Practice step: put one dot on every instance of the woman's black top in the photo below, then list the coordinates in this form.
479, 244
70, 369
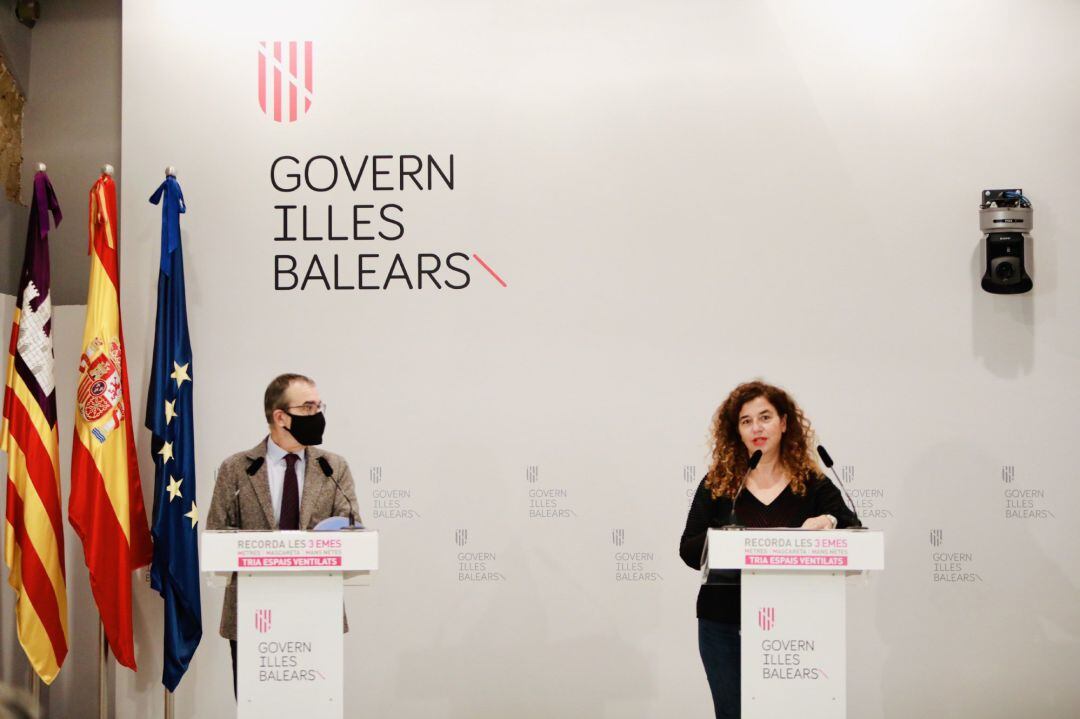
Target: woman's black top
721, 602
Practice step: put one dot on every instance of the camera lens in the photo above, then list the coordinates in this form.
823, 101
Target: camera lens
1005, 271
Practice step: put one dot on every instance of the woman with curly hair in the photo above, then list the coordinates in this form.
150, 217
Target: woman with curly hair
785, 489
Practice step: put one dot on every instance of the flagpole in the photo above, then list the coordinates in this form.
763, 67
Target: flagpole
168, 703
35, 690
103, 704
35, 680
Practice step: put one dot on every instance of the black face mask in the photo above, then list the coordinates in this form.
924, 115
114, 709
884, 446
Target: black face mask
307, 429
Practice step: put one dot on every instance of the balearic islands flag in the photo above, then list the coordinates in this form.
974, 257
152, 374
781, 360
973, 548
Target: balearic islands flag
169, 416
34, 533
106, 507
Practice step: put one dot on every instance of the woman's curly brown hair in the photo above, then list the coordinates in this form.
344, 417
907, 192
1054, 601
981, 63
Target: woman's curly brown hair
730, 458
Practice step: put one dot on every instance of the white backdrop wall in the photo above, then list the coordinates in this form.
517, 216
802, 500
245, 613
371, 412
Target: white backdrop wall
679, 197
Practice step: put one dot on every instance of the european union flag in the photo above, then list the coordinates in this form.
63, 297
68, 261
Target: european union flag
169, 416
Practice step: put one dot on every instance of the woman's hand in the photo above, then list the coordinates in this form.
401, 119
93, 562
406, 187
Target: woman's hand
822, 521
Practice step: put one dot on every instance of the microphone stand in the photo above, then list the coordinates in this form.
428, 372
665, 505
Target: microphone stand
327, 470
732, 519
828, 461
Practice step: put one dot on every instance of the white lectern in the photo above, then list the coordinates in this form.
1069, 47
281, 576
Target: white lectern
794, 655
289, 615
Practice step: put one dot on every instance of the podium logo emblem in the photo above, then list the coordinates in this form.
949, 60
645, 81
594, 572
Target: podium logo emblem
461, 537
375, 474
262, 620
766, 618
935, 537
617, 537
1008, 473
532, 473
689, 473
286, 72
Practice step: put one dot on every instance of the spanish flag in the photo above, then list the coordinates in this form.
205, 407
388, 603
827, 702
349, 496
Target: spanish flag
106, 506
34, 533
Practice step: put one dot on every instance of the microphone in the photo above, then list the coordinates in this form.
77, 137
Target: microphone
251, 470
236, 501
754, 459
828, 462
324, 465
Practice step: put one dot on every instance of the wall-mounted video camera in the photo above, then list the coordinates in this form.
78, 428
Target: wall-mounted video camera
1005, 216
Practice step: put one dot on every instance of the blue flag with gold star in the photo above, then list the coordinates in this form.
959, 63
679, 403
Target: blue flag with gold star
174, 572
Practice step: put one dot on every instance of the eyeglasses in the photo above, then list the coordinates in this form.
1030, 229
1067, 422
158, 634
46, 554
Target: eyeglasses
310, 407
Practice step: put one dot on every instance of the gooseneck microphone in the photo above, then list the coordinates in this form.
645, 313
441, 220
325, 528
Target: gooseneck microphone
324, 465
251, 470
733, 523
828, 462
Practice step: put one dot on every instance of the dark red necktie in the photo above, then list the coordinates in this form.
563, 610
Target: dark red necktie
290, 496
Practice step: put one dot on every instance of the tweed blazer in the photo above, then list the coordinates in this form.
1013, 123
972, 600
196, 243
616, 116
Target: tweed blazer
242, 501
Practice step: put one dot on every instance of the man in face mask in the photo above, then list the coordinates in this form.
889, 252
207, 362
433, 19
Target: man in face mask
285, 481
